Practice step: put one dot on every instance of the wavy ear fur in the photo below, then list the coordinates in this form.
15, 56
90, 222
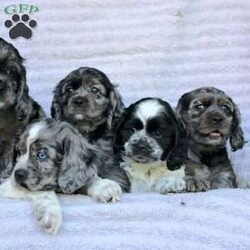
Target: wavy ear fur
116, 109
22, 101
79, 161
117, 137
178, 155
237, 137
56, 110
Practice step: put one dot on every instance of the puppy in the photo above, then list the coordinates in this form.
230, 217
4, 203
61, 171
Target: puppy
52, 156
87, 99
211, 118
147, 137
17, 108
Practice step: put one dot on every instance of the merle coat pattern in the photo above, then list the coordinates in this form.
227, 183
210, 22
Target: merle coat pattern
87, 99
211, 119
17, 108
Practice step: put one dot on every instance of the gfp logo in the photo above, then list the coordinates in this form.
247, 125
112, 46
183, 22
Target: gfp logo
20, 24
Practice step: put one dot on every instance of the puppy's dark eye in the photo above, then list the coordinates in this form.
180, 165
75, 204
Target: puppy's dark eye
132, 130
199, 107
95, 90
226, 108
11, 71
42, 155
157, 134
69, 89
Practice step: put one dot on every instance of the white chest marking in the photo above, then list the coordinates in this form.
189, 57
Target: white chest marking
155, 177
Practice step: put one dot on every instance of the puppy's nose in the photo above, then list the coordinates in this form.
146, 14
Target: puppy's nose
21, 175
141, 147
217, 119
79, 101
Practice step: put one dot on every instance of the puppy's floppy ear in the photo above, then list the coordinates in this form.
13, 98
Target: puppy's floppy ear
237, 137
22, 94
56, 110
79, 161
116, 108
181, 109
178, 155
117, 137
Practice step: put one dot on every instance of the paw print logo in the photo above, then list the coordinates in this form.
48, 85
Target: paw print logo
20, 26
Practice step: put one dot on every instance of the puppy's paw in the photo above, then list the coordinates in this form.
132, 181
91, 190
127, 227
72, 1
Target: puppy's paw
105, 190
48, 215
197, 185
170, 185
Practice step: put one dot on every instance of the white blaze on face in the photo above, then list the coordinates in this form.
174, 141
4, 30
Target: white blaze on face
148, 109
33, 135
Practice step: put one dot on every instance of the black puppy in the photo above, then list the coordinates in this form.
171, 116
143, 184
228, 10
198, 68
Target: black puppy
148, 136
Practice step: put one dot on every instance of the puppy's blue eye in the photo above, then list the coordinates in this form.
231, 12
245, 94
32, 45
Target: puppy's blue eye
42, 155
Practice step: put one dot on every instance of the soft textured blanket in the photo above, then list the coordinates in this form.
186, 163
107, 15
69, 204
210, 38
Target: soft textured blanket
149, 48
214, 220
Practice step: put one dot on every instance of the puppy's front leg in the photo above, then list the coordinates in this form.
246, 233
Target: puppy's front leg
172, 183
197, 177
104, 190
46, 206
47, 210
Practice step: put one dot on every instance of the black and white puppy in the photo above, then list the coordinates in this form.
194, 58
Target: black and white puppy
51, 156
17, 108
148, 137
211, 119
87, 99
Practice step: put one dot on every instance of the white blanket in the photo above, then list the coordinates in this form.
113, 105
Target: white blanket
149, 48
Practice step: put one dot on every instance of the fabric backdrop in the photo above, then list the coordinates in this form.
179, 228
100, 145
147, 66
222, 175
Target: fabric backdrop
149, 48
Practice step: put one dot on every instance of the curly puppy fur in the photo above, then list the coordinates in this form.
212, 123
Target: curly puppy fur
87, 99
17, 108
153, 145
52, 156
211, 119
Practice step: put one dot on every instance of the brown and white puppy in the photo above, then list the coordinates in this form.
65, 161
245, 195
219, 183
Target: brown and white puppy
87, 99
211, 119
51, 156
17, 108
153, 146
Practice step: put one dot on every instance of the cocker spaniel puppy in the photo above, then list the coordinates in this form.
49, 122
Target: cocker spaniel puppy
153, 147
17, 108
211, 119
51, 156
87, 99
